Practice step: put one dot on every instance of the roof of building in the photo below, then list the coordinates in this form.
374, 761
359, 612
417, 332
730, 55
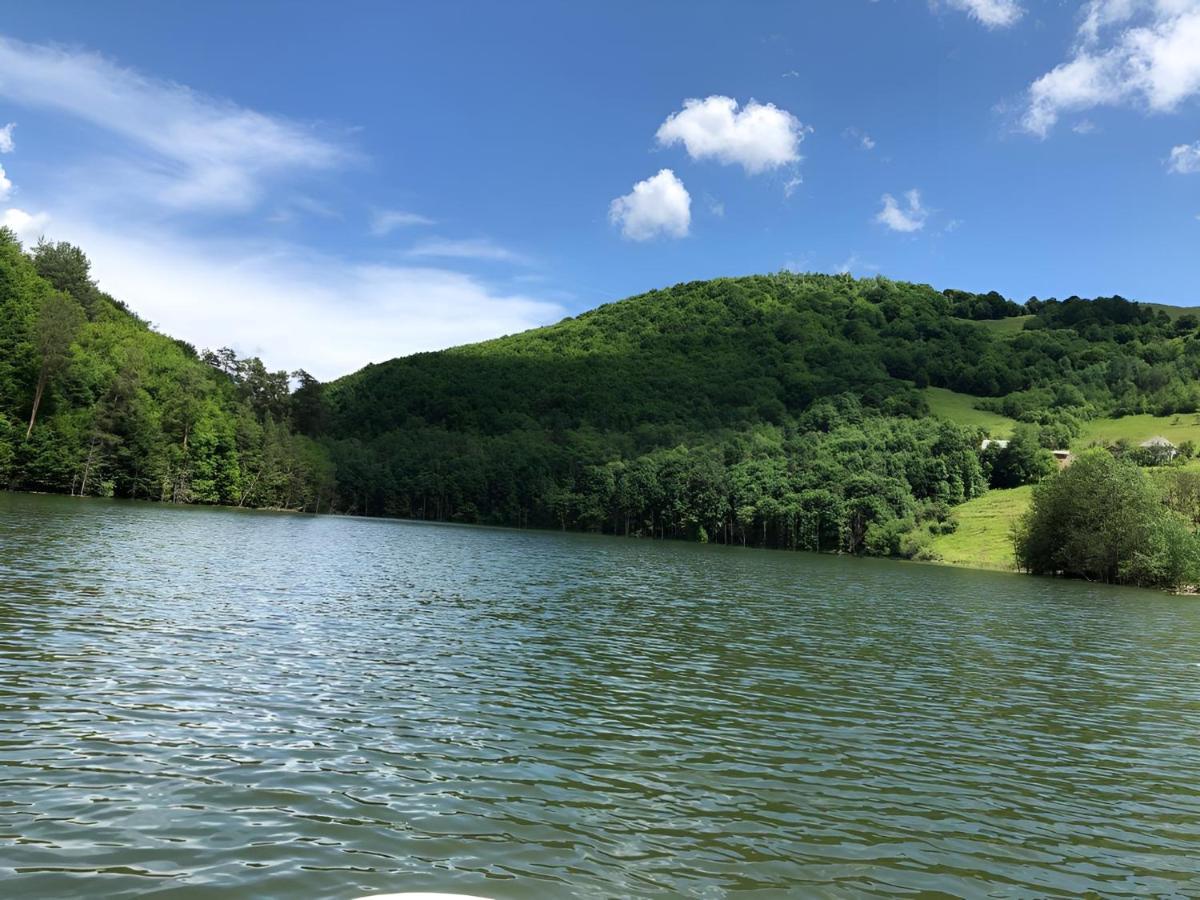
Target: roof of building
1157, 441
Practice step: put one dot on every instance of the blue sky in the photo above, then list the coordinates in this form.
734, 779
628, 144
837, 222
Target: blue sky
328, 185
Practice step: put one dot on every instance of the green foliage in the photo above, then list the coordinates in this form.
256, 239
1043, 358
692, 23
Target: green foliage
1022, 461
1103, 519
112, 408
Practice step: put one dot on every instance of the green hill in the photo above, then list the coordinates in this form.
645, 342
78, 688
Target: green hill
800, 411
783, 410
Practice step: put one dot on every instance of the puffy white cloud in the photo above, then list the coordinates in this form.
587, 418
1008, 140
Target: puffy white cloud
1140, 53
757, 137
5, 184
1185, 159
6, 138
472, 248
204, 153
385, 221
907, 217
660, 206
28, 227
296, 308
992, 13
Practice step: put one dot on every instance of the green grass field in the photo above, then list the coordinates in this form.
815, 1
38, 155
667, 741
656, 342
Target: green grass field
982, 540
1135, 429
960, 408
1001, 327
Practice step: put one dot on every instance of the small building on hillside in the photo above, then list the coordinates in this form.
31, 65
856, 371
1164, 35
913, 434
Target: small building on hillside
1159, 449
1062, 457
988, 442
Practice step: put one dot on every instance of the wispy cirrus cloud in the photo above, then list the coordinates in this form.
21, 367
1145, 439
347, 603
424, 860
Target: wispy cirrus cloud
166, 152
472, 248
6, 138
184, 149
385, 221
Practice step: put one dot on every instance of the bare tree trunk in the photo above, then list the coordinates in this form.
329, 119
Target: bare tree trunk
37, 401
87, 468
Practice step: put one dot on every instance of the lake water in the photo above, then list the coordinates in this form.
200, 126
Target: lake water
211, 703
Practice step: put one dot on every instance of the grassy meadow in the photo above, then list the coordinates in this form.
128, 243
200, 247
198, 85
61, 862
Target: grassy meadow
982, 540
960, 408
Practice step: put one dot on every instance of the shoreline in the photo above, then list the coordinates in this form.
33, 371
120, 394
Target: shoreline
975, 566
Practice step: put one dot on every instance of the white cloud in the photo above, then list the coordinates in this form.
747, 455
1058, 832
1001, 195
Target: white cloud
474, 248
6, 138
908, 217
1139, 53
789, 186
758, 137
28, 227
1084, 126
864, 140
660, 206
176, 151
854, 263
294, 308
188, 151
385, 221
992, 13
1185, 159
5, 184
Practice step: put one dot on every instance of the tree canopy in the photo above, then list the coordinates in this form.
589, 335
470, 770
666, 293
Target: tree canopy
1104, 519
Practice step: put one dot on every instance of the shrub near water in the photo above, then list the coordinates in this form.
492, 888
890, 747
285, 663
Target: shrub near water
1104, 519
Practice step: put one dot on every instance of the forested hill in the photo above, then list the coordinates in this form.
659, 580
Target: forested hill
786, 410
693, 358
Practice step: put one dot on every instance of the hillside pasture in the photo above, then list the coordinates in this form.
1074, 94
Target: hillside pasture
960, 409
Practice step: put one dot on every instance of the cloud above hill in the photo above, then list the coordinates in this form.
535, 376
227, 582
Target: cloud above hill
659, 206
758, 137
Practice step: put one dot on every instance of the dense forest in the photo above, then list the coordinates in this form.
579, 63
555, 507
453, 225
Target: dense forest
782, 410
779, 410
95, 402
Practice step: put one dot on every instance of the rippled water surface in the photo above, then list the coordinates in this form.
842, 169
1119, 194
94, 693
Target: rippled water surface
205, 703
